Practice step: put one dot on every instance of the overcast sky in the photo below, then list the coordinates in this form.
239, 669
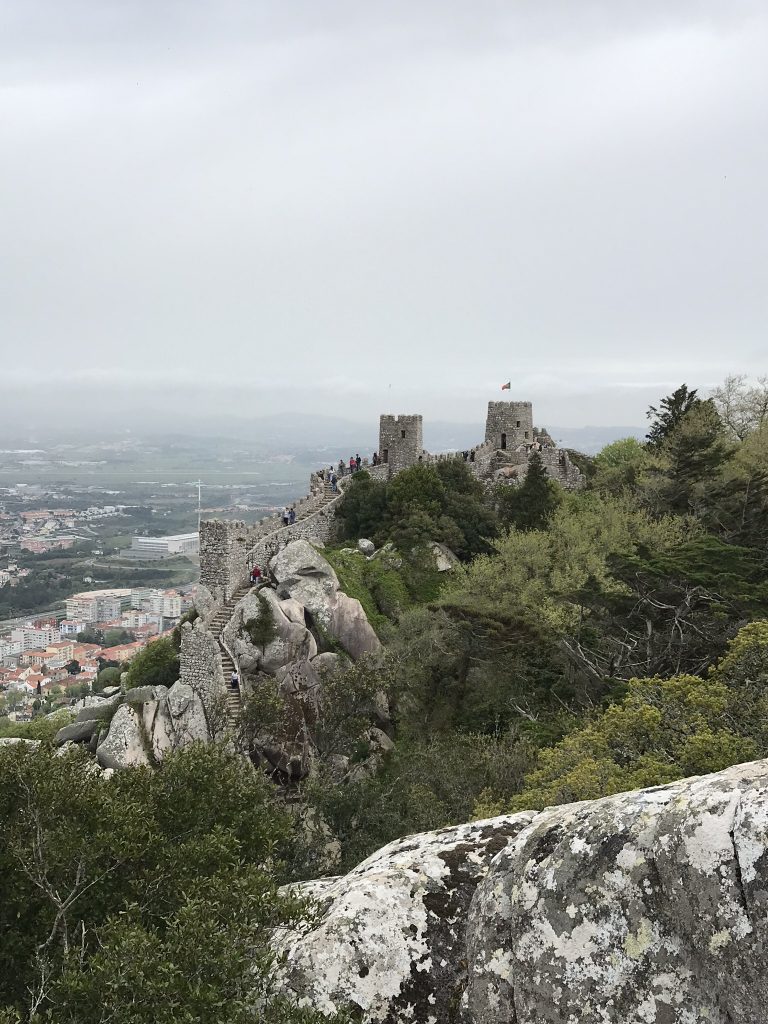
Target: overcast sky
359, 207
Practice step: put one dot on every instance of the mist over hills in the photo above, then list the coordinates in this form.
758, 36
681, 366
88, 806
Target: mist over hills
306, 437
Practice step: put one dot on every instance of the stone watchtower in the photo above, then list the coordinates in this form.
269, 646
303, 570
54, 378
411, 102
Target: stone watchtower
401, 441
509, 424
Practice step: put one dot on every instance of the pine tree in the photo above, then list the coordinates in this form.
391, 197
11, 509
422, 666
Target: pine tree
529, 506
669, 414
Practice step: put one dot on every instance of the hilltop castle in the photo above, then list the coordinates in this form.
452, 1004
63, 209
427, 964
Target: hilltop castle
510, 439
227, 548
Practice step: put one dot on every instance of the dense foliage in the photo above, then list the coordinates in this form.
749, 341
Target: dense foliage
591, 642
146, 897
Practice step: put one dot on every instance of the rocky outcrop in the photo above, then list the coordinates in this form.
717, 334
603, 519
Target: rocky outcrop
123, 746
301, 573
445, 560
77, 732
144, 731
649, 907
100, 710
293, 641
390, 933
304, 576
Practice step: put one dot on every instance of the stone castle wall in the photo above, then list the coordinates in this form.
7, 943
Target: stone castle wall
229, 548
509, 424
401, 441
199, 661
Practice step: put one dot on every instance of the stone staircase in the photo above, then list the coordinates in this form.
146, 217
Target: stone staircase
219, 621
224, 614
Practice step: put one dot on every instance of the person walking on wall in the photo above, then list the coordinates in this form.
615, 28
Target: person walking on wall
341, 467
286, 516
375, 458
291, 515
234, 680
358, 460
334, 482
351, 463
255, 575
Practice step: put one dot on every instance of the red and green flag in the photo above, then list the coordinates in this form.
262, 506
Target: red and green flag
507, 386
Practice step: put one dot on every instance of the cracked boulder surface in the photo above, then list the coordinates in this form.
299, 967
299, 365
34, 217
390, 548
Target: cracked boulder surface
388, 942
649, 907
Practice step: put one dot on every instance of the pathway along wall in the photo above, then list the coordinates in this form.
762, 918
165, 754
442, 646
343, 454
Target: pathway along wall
228, 548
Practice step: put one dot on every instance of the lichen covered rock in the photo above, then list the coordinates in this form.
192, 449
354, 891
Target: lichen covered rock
390, 935
649, 907
292, 640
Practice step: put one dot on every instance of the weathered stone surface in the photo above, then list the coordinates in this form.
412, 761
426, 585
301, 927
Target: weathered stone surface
140, 694
648, 907
379, 740
294, 611
303, 574
110, 691
102, 710
14, 741
123, 746
445, 560
77, 732
177, 717
366, 546
390, 934
293, 642
350, 626
327, 662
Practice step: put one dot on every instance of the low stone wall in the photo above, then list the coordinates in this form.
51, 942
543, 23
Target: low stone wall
199, 661
228, 548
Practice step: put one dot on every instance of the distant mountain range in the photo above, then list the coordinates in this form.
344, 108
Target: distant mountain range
311, 438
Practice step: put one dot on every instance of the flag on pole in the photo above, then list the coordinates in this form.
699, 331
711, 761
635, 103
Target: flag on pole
507, 386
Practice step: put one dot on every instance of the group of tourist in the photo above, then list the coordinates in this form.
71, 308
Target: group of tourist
355, 462
289, 515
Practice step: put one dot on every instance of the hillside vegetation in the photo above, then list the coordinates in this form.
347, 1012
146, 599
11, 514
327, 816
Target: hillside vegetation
591, 641
585, 643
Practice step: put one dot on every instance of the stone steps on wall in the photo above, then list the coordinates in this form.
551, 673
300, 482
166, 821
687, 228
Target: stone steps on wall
218, 623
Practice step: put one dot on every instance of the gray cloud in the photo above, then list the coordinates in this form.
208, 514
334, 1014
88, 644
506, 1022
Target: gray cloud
397, 206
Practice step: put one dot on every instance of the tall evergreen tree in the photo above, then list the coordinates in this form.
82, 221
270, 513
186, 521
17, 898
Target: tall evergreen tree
529, 506
696, 450
669, 413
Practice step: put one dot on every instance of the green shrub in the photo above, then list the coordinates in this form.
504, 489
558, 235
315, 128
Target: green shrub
262, 631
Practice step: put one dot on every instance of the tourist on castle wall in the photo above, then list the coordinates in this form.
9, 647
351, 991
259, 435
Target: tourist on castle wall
255, 575
334, 488
341, 467
286, 516
352, 464
358, 460
292, 513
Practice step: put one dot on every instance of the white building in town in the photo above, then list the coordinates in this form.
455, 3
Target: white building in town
164, 547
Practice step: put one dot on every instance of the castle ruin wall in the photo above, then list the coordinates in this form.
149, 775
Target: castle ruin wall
509, 424
401, 441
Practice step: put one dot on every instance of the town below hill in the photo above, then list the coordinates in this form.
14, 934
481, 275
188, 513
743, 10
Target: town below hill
48, 662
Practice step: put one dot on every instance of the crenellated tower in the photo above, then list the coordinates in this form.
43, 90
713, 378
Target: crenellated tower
509, 424
401, 441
